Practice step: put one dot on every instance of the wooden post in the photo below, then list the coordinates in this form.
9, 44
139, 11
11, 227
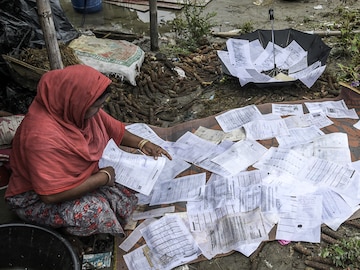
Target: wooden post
48, 28
154, 35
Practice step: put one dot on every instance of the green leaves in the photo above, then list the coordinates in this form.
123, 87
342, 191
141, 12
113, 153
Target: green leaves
344, 254
193, 26
349, 43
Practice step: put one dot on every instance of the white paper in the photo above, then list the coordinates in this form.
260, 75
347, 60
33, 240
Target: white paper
324, 173
272, 56
136, 260
193, 148
225, 58
299, 136
186, 188
300, 219
265, 129
240, 156
333, 147
157, 212
239, 52
144, 131
322, 105
287, 109
137, 172
295, 55
135, 235
217, 136
317, 119
170, 242
232, 231
236, 118
282, 159
335, 209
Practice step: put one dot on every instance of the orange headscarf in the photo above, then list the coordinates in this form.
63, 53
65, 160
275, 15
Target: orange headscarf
55, 148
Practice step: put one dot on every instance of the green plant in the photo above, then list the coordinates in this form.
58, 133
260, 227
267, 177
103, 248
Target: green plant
350, 74
349, 44
288, 19
306, 20
345, 254
247, 27
192, 26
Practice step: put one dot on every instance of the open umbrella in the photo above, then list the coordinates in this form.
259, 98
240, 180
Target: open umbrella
316, 51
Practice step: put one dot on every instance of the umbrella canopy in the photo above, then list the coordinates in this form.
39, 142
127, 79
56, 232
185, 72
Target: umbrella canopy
316, 50
313, 44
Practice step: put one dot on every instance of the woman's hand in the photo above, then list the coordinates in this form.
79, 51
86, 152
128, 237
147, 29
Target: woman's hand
154, 150
144, 145
109, 172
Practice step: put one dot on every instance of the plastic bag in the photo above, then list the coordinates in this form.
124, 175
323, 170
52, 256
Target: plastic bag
26, 17
111, 57
20, 28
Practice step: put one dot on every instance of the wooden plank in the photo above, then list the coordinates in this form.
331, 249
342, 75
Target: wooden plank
146, 3
142, 8
168, 4
111, 34
199, 3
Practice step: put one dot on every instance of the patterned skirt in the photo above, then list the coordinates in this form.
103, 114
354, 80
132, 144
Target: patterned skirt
104, 210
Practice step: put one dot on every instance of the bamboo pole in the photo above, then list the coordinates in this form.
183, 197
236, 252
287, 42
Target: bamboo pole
48, 28
154, 35
330, 33
237, 32
350, 87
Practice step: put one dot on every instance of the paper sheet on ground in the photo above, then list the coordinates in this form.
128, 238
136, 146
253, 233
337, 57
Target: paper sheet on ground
170, 242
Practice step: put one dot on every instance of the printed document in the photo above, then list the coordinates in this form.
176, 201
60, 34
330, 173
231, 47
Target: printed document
137, 172
300, 218
186, 188
240, 156
170, 242
236, 118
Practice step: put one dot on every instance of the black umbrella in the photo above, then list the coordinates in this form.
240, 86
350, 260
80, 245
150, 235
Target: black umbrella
312, 43
316, 49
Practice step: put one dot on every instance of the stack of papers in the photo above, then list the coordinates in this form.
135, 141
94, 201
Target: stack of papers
305, 181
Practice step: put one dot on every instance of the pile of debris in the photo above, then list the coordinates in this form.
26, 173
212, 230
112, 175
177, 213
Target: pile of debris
39, 57
166, 89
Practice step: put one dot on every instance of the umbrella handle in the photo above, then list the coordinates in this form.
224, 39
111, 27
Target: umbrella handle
271, 14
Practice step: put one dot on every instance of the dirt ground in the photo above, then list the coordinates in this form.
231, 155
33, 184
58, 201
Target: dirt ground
304, 15
216, 93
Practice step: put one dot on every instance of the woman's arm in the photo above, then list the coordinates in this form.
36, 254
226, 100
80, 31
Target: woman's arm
104, 177
131, 140
147, 147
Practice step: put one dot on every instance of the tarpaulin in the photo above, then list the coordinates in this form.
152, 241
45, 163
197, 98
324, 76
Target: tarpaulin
344, 125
